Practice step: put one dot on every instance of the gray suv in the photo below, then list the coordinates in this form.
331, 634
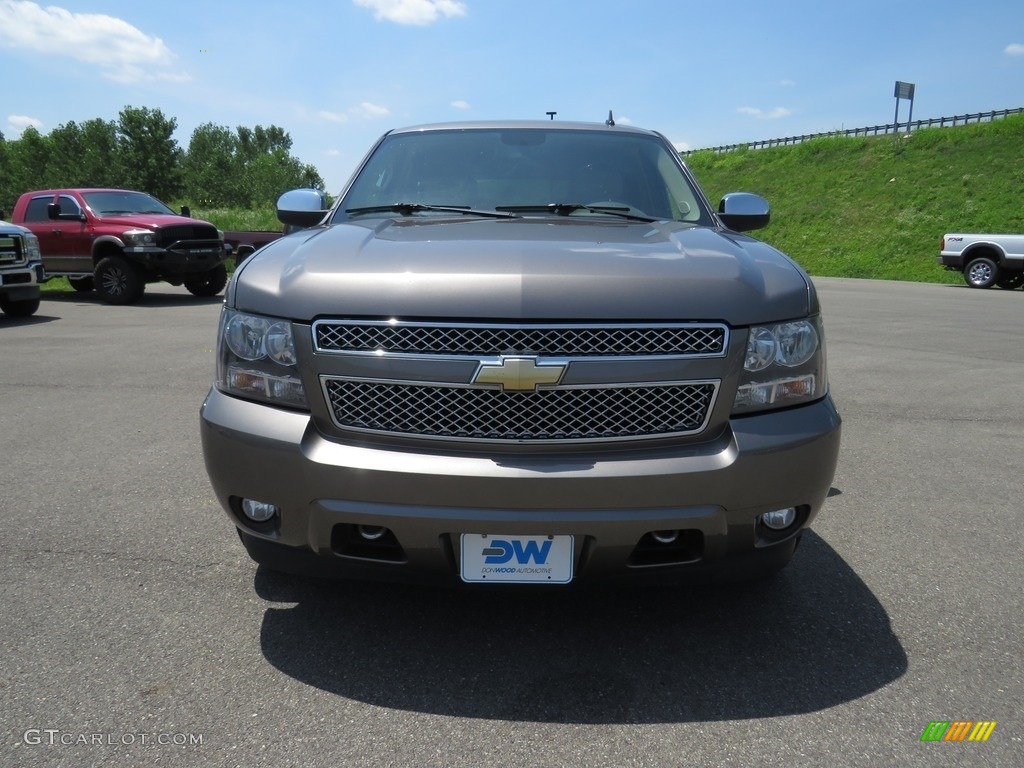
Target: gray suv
521, 352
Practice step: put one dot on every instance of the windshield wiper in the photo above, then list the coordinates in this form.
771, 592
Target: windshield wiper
408, 209
564, 209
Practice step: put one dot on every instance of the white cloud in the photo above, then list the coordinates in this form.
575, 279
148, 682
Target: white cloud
365, 111
682, 146
460, 104
417, 12
333, 152
333, 117
1014, 49
787, 83
771, 114
123, 53
18, 123
369, 111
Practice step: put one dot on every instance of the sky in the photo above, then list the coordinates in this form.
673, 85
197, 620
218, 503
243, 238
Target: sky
336, 74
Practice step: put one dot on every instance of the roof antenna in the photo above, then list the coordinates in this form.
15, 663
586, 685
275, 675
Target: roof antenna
610, 122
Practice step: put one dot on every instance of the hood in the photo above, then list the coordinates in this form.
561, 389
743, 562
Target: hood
523, 269
14, 229
152, 221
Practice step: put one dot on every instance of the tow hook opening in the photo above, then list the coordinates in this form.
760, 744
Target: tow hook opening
367, 542
667, 547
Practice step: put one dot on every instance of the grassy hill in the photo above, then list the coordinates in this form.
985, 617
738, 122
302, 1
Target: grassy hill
860, 207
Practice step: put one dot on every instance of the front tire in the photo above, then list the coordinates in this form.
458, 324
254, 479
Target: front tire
118, 281
209, 284
982, 272
19, 308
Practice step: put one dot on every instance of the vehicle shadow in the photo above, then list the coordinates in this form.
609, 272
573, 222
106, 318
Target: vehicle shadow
809, 639
8, 321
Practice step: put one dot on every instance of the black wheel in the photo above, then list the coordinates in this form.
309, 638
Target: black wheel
1011, 281
81, 284
20, 307
982, 272
209, 283
118, 281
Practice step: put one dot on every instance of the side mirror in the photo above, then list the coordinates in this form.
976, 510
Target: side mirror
186, 212
743, 211
54, 213
302, 207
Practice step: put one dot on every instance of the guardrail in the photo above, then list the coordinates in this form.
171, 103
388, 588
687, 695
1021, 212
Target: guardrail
874, 130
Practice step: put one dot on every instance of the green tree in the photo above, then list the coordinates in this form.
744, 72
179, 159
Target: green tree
7, 193
99, 161
29, 158
149, 156
209, 168
64, 166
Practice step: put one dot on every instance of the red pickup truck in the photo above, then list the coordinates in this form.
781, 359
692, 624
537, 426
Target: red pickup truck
116, 241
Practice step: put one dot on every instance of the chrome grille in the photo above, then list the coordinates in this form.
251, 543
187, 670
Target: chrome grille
11, 250
561, 340
565, 413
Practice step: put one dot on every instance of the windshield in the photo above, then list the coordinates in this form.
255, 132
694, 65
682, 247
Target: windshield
118, 202
530, 171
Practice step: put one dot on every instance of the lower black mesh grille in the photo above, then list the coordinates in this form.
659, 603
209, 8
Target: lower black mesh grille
585, 413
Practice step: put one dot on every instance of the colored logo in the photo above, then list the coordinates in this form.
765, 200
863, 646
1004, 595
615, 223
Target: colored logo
500, 551
519, 373
958, 730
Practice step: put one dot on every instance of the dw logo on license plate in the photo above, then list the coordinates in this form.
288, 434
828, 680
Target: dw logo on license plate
523, 559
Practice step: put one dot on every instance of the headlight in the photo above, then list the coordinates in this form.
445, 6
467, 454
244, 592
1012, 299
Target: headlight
139, 237
31, 247
784, 365
256, 359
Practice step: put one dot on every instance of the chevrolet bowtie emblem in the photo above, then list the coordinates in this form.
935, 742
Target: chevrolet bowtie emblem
519, 373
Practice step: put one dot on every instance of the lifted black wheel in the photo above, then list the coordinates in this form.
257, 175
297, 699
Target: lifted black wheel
209, 283
982, 272
118, 281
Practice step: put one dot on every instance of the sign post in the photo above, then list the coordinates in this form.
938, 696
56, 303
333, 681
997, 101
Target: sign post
902, 91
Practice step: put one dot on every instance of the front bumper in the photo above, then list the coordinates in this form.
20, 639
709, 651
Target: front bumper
22, 281
713, 492
181, 258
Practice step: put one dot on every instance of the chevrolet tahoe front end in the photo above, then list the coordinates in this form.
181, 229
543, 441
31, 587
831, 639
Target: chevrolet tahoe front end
521, 352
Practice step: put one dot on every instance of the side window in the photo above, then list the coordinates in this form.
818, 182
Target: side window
36, 210
69, 204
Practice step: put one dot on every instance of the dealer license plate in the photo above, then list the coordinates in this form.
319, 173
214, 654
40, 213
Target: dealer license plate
499, 558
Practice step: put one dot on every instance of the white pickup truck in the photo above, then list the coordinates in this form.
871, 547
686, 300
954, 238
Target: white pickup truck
985, 260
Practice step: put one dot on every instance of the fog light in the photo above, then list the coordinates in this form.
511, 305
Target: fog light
779, 519
665, 537
258, 511
372, 532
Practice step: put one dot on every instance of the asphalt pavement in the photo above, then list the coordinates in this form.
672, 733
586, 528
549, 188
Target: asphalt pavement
136, 632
